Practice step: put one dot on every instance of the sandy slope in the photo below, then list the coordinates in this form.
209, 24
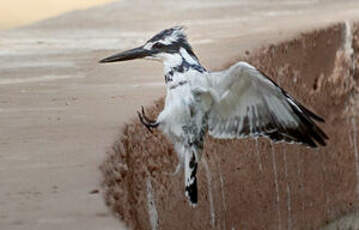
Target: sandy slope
60, 110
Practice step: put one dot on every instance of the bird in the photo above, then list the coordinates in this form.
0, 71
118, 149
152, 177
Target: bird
238, 102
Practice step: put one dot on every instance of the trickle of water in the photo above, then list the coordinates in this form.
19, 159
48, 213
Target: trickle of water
151, 205
258, 156
289, 206
210, 195
348, 49
223, 198
348, 41
289, 201
285, 163
276, 187
355, 146
221, 180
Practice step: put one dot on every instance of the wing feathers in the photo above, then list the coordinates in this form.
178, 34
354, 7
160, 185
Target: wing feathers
252, 105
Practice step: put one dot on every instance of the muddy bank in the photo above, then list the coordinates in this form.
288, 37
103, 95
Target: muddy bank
249, 184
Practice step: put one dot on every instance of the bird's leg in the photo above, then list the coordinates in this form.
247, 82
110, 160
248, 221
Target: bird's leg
145, 121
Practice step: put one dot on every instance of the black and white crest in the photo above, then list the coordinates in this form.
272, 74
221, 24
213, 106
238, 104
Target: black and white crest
168, 35
170, 41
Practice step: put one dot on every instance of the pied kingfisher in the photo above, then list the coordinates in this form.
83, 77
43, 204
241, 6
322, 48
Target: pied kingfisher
238, 102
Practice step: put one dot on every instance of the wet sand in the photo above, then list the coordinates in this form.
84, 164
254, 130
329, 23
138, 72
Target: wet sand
60, 110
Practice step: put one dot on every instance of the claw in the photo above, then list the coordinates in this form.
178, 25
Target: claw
145, 121
145, 117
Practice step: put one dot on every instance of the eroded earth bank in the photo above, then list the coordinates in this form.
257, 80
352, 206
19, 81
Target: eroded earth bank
254, 184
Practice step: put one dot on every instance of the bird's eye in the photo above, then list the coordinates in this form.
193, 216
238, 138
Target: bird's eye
158, 45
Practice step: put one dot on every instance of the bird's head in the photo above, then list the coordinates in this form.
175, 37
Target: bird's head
169, 46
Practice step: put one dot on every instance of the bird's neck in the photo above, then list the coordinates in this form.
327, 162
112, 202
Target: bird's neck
179, 63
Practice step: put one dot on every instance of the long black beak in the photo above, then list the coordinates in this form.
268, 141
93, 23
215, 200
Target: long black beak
135, 53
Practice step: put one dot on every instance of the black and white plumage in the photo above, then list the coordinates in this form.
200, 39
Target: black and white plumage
238, 102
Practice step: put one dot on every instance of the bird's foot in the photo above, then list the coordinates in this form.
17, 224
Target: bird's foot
148, 123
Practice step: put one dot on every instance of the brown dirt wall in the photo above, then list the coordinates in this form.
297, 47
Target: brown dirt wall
251, 184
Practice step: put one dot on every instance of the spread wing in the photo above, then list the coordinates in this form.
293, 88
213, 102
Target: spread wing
249, 104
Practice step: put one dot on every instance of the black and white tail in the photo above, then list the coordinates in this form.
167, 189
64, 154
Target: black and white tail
190, 170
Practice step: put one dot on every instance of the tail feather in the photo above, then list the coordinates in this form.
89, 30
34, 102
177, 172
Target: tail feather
191, 190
